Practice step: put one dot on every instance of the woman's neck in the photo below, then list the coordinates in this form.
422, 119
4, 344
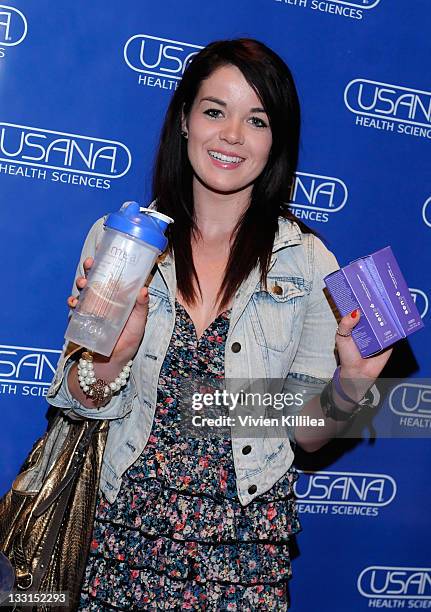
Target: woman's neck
217, 214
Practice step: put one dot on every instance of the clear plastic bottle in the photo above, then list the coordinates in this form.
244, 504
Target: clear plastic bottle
133, 239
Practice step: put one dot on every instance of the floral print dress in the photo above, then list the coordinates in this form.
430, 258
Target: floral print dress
177, 537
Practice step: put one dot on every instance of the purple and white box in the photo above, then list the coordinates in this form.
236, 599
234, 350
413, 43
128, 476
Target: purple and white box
376, 285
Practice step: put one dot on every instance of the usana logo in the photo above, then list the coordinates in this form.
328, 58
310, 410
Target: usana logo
344, 493
426, 212
341, 8
411, 401
382, 584
13, 27
25, 370
160, 62
67, 158
420, 298
313, 196
388, 107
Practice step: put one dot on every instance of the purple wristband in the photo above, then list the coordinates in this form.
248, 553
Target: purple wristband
339, 389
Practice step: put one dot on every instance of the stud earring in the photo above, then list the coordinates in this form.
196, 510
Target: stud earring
184, 134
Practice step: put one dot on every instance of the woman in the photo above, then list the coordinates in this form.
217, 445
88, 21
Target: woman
185, 522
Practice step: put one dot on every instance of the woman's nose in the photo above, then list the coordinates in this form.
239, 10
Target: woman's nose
232, 132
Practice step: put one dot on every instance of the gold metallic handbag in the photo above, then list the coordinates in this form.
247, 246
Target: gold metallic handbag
45, 530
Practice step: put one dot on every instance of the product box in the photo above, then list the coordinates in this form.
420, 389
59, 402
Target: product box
375, 285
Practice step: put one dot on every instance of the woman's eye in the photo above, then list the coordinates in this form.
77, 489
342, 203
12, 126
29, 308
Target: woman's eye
258, 122
213, 112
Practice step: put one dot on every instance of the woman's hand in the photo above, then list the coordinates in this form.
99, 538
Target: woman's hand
126, 347
357, 373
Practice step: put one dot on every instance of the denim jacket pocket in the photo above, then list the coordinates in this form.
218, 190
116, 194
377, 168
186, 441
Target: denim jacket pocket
276, 311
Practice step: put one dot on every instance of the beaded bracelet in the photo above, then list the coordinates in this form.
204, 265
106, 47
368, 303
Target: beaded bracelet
98, 389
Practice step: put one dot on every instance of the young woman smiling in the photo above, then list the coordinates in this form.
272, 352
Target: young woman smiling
203, 523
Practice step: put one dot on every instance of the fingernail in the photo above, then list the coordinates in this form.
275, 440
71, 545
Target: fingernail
354, 313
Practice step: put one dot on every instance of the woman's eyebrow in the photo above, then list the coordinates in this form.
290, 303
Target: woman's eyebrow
256, 109
212, 99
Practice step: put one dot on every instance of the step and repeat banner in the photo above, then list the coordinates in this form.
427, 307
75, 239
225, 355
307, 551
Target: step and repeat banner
83, 90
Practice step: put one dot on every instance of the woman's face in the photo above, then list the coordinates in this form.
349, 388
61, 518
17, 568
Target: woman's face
229, 138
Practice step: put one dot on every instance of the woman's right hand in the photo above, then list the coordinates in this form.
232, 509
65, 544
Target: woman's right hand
127, 344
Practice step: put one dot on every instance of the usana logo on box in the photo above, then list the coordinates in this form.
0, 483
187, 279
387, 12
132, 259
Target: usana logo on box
391, 108
13, 27
314, 196
411, 401
344, 493
396, 587
426, 212
340, 8
160, 62
74, 159
26, 371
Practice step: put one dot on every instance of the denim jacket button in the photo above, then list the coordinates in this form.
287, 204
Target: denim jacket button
252, 489
246, 449
277, 289
236, 347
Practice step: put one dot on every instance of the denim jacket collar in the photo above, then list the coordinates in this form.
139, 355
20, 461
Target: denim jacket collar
288, 234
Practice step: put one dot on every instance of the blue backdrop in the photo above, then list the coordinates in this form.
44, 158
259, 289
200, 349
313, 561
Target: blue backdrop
83, 89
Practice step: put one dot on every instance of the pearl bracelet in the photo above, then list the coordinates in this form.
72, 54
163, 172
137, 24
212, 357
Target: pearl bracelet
96, 388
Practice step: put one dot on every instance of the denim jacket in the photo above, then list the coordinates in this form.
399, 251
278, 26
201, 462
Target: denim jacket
286, 334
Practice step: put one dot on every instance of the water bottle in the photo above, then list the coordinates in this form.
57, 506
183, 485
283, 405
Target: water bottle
133, 239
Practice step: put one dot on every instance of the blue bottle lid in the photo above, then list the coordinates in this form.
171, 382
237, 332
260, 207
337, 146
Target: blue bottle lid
145, 224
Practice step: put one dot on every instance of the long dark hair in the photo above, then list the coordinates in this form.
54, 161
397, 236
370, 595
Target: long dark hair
272, 81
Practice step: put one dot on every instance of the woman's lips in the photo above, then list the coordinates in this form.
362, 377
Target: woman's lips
227, 161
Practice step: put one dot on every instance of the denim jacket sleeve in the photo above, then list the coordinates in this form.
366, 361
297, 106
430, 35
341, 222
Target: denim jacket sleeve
315, 356
315, 361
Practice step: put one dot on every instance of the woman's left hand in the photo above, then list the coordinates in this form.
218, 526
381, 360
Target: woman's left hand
358, 373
